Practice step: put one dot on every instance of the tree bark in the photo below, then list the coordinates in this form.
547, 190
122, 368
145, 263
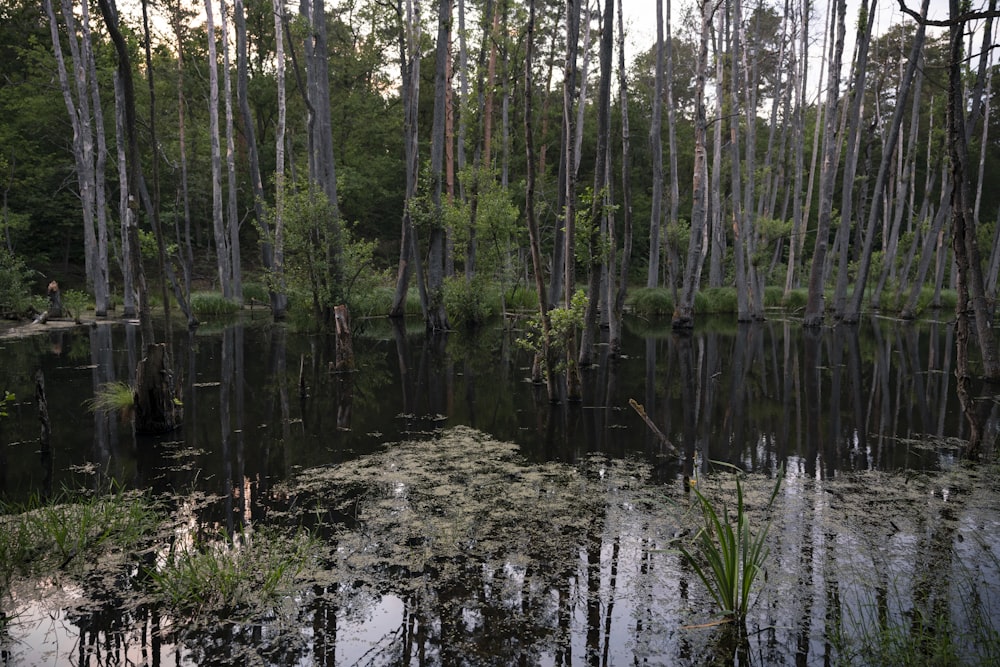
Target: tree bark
684, 308
814, 306
853, 312
529, 205
656, 152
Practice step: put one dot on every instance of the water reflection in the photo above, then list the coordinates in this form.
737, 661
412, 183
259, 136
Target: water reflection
453, 574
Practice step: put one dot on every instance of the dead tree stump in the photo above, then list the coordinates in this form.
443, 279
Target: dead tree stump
345, 346
157, 406
55, 300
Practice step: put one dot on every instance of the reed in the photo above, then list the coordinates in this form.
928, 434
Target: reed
728, 555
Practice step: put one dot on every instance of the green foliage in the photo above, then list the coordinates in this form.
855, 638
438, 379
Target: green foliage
522, 298
45, 536
772, 296
213, 303
651, 301
563, 322
719, 300
8, 397
796, 299
313, 237
111, 397
255, 292
238, 575
362, 278
15, 297
728, 556
470, 303
75, 302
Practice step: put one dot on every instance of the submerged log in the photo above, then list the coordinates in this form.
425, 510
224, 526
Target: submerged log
345, 346
157, 406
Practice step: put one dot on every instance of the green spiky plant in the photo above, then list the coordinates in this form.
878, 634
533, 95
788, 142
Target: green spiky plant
728, 555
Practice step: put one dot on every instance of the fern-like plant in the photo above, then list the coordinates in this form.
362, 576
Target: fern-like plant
728, 555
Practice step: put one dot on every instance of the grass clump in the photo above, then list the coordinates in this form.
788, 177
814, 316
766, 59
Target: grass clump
728, 556
256, 292
112, 397
470, 303
241, 574
44, 536
212, 303
651, 301
718, 300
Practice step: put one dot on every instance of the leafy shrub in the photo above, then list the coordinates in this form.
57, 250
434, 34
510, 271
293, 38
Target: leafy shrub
651, 301
212, 303
720, 300
15, 296
796, 299
256, 292
522, 298
470, 303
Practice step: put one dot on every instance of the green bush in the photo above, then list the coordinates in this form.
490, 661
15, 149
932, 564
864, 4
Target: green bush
212, 303
773, 296
15, 296
651, 301
719, 300
256, 292
522, 298
796, 299
470, 303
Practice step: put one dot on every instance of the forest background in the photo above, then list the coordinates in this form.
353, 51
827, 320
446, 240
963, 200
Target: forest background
459, 151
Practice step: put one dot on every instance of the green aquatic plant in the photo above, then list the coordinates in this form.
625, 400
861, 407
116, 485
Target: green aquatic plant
213, 303
728, 555
42, 536
234, 574
111, 396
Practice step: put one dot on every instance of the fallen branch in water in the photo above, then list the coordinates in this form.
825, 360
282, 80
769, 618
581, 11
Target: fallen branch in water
664, 440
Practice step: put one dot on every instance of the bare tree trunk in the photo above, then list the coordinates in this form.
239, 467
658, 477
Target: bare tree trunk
110, 15
595, 235
965, 243
529, 206
718, 242
814, 306
409, 53
684, 309
125, 212
656, 151
222, 252
853, 312
739, 224
570, 99
186, 252
278, 301
904, 193
278, 276
862, 40
232, 213
672, 252
102, 288
801, 206
619, 289
83, 133
437, 318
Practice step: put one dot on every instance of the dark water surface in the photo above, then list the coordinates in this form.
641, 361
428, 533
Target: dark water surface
560, 550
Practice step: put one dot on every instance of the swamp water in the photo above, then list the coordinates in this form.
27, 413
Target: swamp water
434, 508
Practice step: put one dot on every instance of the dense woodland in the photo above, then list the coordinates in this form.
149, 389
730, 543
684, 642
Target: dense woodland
450, 148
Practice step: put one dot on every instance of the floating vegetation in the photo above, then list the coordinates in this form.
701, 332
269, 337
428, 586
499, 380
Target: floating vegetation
454, 548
